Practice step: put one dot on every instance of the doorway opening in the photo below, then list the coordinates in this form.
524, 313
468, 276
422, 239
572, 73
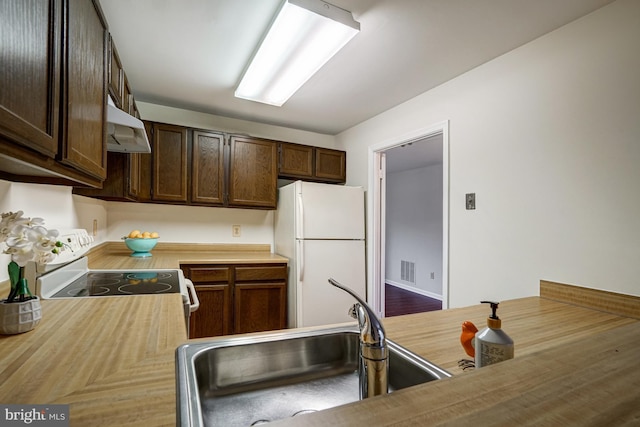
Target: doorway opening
410, 230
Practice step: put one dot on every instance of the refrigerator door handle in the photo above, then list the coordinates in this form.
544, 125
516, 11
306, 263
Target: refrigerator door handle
300, 222
301, 260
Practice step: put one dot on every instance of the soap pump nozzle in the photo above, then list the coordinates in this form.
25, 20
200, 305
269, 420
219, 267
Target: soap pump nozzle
493, 321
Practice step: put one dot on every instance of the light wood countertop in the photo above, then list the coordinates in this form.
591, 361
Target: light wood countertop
112, 361
592, 382
115, 255
535, 324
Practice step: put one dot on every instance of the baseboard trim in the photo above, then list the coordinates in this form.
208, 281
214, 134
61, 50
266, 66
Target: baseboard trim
414, 290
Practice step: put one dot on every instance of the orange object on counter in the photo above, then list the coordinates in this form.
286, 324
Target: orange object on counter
467, 336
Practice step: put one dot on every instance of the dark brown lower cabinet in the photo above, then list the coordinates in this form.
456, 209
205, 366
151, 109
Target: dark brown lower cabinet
213, 317
237, 299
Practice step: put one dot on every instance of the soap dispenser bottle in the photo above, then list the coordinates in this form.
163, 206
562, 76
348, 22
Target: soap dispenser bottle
492, 344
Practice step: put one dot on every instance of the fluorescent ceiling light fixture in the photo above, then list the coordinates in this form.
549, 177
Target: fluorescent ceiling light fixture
303, 37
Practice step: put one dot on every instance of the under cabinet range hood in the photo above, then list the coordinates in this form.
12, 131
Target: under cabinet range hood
125, 133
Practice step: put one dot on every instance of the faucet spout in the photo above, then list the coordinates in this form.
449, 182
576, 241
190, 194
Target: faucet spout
374, 357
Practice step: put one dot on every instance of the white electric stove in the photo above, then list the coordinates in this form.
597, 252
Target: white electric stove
69, 276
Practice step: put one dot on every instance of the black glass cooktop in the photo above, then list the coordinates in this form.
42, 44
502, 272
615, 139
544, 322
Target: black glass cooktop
93, 284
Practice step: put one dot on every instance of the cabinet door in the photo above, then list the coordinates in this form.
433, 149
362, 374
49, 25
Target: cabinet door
127, 96
30, 73
207, 168
331, 165
134, 108
260, 298
253, 173
169, 163
145, 172
295, 161
213, 286
133, 187
213, 317
116, 75
259, 307
84, 97
115, 186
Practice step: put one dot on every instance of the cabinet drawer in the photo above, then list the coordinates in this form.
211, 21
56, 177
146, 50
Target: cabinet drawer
276, 272
206, 274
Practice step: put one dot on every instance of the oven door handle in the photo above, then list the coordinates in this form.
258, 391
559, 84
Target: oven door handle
194, 296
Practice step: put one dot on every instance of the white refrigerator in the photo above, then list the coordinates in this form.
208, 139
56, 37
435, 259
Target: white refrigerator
320, 228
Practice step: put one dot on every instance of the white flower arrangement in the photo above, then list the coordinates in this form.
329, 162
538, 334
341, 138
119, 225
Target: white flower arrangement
26, 240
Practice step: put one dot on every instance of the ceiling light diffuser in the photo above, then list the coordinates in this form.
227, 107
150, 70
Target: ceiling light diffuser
303, 37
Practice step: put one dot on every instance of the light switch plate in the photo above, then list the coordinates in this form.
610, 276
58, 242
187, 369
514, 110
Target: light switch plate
471, 201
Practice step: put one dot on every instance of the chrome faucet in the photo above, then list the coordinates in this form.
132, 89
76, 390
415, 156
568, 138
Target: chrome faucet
373, 368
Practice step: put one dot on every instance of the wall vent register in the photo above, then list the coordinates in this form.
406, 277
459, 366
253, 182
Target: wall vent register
408, 271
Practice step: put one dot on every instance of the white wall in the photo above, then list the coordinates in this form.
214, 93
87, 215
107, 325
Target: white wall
547, 136
55, 204
414, 228
190, 223
50, 202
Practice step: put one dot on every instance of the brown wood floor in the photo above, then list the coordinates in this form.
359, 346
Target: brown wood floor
400, 301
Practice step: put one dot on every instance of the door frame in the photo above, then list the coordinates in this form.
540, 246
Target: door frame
376, 207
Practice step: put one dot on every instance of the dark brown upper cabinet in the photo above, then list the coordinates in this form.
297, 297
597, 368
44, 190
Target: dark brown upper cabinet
195, 167
330, 165
53, 97
297, 161
123, 181
253, 173
207, 168
119, 88
116, 75
169, 154
128, 174
127, 96
220, 170
84, 98
30, 73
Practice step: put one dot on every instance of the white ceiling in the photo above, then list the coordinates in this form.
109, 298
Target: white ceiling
191, 54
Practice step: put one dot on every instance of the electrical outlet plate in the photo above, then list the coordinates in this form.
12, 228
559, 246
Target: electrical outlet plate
471, 201
235, 230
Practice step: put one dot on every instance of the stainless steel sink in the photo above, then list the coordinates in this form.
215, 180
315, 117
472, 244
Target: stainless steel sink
244, 381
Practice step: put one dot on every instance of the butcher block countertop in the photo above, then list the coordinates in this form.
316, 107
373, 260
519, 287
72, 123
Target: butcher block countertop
572, 366
112, 361
115, 255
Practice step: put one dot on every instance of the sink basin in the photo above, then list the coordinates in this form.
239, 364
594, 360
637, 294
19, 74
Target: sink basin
248, 381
